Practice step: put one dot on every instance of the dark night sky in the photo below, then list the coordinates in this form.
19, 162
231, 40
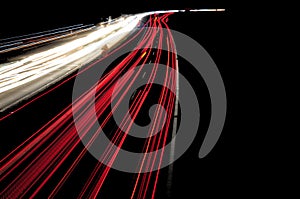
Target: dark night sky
28, 16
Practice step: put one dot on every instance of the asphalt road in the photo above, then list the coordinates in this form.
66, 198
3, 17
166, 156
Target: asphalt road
112, 184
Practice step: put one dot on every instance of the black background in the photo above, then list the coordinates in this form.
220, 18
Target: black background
20, 17
234, 168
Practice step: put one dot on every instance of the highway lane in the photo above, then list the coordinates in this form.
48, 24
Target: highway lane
32, 167
32, 176
21, 79
31, 73
25, 41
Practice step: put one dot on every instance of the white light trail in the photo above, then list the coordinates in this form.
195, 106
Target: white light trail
35, 66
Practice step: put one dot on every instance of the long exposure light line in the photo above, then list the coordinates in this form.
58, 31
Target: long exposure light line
36, 160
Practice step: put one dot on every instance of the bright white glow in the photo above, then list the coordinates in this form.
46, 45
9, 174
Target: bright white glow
35, 66
207, 10
73, 53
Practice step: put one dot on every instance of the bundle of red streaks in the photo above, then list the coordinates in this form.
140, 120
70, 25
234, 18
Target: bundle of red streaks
58, 138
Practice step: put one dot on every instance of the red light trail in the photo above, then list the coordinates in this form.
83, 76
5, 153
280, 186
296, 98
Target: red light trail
27, 169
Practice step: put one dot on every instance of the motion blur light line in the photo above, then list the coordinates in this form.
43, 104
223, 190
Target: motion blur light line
67, 116
116, 139
40, 64
153, 145
56, 141
70, 78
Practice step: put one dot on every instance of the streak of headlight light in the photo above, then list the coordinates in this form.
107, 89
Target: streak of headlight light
69, 46
42, 58
207, 10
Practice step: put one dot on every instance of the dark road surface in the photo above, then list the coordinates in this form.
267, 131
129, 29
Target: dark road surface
192, 177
